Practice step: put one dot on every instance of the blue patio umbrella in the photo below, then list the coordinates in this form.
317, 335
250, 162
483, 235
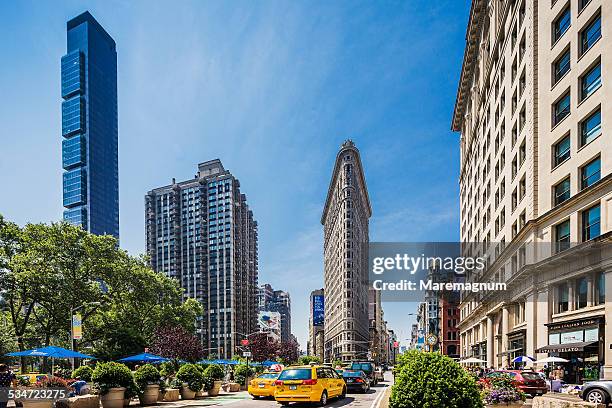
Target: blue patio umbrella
51, 351
268, 363
145, 358
523, 359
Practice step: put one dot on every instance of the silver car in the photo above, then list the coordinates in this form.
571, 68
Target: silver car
599, 392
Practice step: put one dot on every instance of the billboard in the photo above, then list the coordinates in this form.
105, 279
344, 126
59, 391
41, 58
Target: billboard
318, 310
270, 322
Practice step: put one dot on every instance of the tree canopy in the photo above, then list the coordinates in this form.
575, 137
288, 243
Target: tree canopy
48, 270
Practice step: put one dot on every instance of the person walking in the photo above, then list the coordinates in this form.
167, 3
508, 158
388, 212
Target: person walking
7, 379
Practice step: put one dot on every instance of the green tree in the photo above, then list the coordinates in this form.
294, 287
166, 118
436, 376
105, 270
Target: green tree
432, 380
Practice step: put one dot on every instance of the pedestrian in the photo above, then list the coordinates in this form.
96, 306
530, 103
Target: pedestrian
7, 379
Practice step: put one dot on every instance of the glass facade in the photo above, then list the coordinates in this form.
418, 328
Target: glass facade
75, 187
89, 127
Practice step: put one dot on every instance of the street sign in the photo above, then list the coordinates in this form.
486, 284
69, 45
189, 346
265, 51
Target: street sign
432, 339
244, 342
369, 355
77, 327
395, 344
247, 354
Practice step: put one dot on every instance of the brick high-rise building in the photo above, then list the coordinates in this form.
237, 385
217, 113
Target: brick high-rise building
203, 233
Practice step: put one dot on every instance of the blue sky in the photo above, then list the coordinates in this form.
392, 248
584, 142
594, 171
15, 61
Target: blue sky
272, 88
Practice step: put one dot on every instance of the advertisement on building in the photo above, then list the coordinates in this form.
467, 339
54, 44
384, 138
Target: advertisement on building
270, 322
318, 310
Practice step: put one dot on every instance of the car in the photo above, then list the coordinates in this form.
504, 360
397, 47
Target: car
597, 391
311, 383
368, 368
263, 385
340, 371
356, 380
529, 382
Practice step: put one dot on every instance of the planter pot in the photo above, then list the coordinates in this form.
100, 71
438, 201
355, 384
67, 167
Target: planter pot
171, 394
200, 394
150, 395
114, 398
37, 403
126, 402
215, 389
507, 405
187, 393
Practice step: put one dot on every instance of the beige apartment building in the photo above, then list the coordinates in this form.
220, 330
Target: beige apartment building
345, 222
534, 111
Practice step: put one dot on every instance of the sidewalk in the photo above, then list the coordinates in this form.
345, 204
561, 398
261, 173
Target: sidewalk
222, 399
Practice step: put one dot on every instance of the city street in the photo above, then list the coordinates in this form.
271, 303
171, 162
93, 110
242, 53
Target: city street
372, 399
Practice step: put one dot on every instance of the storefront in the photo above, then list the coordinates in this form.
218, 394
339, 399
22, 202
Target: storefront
582, 343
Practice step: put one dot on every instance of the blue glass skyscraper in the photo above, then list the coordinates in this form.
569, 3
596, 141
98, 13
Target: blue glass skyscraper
89, 128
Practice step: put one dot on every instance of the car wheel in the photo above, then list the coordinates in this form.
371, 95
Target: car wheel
255, 397
343, 395
596, 396
323, 400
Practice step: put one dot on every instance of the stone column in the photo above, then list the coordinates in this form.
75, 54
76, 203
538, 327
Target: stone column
490, 342
532, 321
608, 329
504, 347
590, 291
570, 296
542, 318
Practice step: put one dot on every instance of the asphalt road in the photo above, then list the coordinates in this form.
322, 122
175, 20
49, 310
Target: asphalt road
370, 400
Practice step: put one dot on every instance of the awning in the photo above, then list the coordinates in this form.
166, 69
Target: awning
565, 348
505, 353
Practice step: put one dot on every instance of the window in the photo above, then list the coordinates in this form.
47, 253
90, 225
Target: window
514, 199
563, 296
562, 236
514, 166
590, 128
582, 4
561, 109
522, 188
590, 82
590, 173
561, 25
601, 289
590, 35
522, 152
582, 289
590, 223
561, 151
561, 66
562, 191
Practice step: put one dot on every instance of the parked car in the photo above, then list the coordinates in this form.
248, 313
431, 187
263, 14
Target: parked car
356, 380
597, 391
312, 383
368, 368
527, 381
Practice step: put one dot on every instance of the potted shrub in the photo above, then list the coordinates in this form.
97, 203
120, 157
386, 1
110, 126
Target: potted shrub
432, 380
83, 372
49, 382
147, 379
501, 391
191, 379
215, 373
242, 373
112, 380
172, 391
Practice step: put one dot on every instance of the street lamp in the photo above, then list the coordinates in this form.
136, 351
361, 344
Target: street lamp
72, 312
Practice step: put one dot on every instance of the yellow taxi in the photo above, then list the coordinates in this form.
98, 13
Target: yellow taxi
312, 383
263, 385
